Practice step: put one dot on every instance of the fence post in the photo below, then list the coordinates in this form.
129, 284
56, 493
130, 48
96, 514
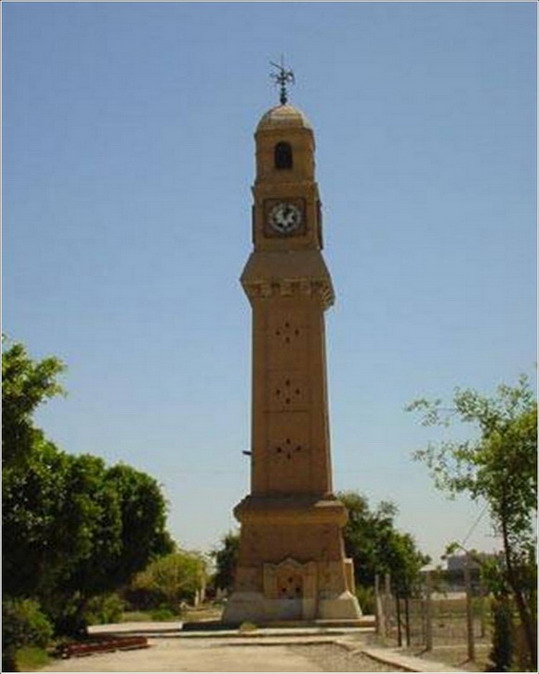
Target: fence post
469, 612
483, 599
378, 605
407, 618
399, 630
387, 606
428, 612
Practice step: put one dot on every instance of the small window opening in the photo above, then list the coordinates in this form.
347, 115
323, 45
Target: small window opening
283, 156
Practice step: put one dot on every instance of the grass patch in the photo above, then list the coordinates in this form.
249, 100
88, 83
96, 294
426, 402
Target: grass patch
163, 615
203, 613
135, 617
157, 615
190, 614
31, 658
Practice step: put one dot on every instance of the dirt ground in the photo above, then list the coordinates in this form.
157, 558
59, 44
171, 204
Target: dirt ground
207, 655
455, 656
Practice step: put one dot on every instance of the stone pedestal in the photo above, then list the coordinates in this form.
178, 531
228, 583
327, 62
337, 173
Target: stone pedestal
291, 562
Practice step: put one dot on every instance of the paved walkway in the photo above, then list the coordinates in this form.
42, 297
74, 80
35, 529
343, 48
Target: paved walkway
176, 655
266, 650
407, 662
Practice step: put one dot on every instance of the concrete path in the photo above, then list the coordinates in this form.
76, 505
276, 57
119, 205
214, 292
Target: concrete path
266, 650
407, 662
176, 655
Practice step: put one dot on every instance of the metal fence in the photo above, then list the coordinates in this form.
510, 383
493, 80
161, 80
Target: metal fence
429, 618
448, 615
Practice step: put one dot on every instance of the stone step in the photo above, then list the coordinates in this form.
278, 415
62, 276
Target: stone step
365, 622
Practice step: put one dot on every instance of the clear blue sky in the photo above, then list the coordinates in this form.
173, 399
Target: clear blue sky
128, 160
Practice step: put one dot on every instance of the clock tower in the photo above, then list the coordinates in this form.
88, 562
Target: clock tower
292, 564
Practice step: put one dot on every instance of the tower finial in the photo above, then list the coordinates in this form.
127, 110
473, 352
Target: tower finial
281, 78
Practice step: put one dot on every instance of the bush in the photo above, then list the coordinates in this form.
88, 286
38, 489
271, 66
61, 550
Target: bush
366, 599
171, 579
30, 658
106, 608
247, 627
501, 654
141, 599
163, 614
23, 624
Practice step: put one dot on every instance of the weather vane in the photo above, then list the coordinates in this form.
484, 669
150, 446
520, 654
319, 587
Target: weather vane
281, 78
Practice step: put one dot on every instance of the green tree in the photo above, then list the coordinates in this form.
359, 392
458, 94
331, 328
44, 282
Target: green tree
26, 384
174, 577
225, 558
498, 467
127, 530
143, 509
72, 527
377, 547
55, 515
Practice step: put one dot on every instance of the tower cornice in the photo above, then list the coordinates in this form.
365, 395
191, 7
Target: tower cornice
287, 274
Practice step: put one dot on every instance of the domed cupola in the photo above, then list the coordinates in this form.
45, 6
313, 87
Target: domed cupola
283, 117
284, 145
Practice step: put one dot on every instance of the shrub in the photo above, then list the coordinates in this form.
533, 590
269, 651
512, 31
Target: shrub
163, 614
366, 599
106, 608
141, 599
501, 654
23, 624
30, 658
247, 627
172, 578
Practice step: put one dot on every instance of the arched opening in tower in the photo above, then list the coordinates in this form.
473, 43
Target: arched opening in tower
283, 156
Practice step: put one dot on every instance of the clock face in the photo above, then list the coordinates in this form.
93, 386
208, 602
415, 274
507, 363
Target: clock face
285, 217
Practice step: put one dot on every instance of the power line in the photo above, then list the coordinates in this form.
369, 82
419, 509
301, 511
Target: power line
472, 528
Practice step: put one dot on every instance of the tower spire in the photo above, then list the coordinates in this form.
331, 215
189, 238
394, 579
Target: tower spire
282, 78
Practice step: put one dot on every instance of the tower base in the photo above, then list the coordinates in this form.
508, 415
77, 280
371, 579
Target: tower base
291, 564
256, 608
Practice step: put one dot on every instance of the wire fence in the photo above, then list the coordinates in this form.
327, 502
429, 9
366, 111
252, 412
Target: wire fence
455, 622
444, 620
